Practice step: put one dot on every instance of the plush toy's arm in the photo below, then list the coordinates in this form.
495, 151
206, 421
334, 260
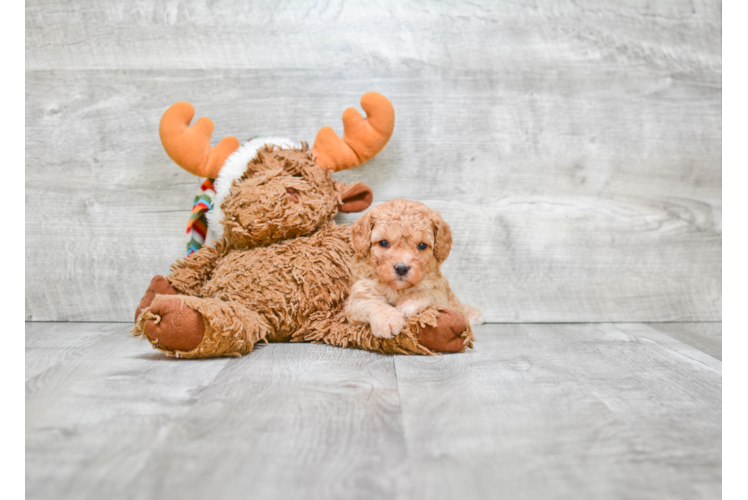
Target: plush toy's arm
190, 274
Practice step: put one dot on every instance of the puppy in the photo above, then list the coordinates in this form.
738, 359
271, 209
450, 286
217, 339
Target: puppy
399, 247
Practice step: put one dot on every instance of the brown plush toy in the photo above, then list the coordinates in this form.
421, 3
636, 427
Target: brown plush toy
280, 269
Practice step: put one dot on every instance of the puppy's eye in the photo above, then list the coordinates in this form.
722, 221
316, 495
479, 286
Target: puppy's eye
422, 246
384, 243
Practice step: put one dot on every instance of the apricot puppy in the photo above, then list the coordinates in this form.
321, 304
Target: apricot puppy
399, 247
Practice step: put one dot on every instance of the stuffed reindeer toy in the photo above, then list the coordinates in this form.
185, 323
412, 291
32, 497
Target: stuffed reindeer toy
280, 269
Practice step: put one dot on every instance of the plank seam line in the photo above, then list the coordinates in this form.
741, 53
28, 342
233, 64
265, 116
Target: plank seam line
408, 454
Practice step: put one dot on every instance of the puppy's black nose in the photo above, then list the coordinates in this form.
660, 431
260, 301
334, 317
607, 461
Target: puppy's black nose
401, 269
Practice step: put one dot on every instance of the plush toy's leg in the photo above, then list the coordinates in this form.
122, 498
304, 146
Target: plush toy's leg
158, 286
194, 327
433, 331
187, 278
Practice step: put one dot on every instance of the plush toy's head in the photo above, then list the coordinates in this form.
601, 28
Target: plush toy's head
284, 194
271, 189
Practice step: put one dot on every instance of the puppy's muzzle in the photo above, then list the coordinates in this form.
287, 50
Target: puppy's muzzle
402, 269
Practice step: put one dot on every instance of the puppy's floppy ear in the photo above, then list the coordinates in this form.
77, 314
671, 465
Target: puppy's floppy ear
442, 237
361, 235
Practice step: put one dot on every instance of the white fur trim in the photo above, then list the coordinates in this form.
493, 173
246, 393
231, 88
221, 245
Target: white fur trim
233, 168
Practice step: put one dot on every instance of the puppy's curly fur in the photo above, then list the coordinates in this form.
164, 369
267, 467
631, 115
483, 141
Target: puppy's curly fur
399, 247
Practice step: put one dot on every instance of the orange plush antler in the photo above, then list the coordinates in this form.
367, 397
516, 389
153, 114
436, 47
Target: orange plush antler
190, 147
362, 138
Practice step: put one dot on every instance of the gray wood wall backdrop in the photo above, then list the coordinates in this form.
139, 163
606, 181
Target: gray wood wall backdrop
573, 146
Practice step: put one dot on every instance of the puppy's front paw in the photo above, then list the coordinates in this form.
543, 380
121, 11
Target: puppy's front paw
411, 307
387, 324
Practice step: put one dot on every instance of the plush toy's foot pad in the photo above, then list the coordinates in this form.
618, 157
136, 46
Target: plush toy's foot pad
447, 335
158, 286
174, 326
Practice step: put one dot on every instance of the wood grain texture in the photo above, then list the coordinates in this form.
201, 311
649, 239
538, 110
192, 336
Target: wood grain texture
706, 337
563, 411
48, 344
297, 421
338, 34
120, 420
92, 421
534, 411
575, 148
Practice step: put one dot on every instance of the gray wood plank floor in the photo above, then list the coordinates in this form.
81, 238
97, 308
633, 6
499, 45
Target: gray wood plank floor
625, 410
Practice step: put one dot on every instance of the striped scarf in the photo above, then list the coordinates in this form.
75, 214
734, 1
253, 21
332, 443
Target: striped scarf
197, 227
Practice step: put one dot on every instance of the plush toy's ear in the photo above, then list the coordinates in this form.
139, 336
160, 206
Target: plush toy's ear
355, 198
442, 238
361, 235
362, 138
